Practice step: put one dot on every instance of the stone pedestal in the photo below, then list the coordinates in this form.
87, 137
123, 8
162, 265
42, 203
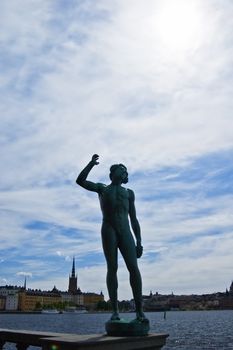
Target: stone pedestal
61, 341
103, 342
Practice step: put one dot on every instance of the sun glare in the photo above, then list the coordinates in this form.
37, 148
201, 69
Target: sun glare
178, 24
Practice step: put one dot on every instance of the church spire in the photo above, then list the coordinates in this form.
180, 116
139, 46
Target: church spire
73, 283
25, 283
73, 268
231, 288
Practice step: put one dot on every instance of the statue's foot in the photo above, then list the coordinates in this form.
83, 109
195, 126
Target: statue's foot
140, 316
115, 316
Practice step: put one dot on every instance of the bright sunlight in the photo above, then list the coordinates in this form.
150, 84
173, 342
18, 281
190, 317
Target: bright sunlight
179, 24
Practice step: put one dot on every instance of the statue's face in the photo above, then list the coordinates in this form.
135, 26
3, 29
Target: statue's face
121, 173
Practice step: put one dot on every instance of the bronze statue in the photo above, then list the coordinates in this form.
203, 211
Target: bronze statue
117, 205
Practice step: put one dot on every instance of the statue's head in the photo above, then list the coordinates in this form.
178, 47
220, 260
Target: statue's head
118, 172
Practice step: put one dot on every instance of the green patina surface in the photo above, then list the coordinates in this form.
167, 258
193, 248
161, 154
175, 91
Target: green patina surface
119, 219
127, 328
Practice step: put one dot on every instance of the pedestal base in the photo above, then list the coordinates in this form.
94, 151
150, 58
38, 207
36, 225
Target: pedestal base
62, 341
124, 328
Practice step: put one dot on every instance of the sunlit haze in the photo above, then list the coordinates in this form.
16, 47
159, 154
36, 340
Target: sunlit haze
180, 24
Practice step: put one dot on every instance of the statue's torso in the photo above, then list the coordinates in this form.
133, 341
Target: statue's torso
114, 202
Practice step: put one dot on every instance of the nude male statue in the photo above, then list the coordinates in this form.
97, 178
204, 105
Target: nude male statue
117, 205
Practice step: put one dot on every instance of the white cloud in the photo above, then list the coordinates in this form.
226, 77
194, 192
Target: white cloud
23, 273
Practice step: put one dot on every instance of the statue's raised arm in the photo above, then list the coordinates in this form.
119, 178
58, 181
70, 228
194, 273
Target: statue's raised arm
82, 177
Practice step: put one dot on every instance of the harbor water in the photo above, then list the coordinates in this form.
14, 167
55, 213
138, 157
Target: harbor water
188, 330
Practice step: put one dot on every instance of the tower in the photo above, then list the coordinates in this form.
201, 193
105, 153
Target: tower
73, 280
25, 283
231, 289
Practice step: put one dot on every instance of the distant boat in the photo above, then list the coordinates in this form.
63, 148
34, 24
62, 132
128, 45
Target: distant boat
50, 311
72, 310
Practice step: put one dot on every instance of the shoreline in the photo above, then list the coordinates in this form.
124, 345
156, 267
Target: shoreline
15, 312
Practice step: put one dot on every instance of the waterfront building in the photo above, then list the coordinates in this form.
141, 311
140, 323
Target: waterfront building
156, 302
77, 299
227, 301
5, 290
159, 302
2, 303
35, 299
12, 301
10, 293
92, 299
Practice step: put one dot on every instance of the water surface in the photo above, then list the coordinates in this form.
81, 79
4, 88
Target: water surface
188, 330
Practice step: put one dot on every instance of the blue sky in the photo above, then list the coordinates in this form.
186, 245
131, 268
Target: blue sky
144, 83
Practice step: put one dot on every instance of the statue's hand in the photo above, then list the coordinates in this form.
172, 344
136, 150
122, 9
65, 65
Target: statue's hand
139, 250
94, 159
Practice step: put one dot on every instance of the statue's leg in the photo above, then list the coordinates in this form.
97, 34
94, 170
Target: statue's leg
128, 251
110, 248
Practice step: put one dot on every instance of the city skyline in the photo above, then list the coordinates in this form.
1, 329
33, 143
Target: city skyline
74, 287
228, 289
146, 84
